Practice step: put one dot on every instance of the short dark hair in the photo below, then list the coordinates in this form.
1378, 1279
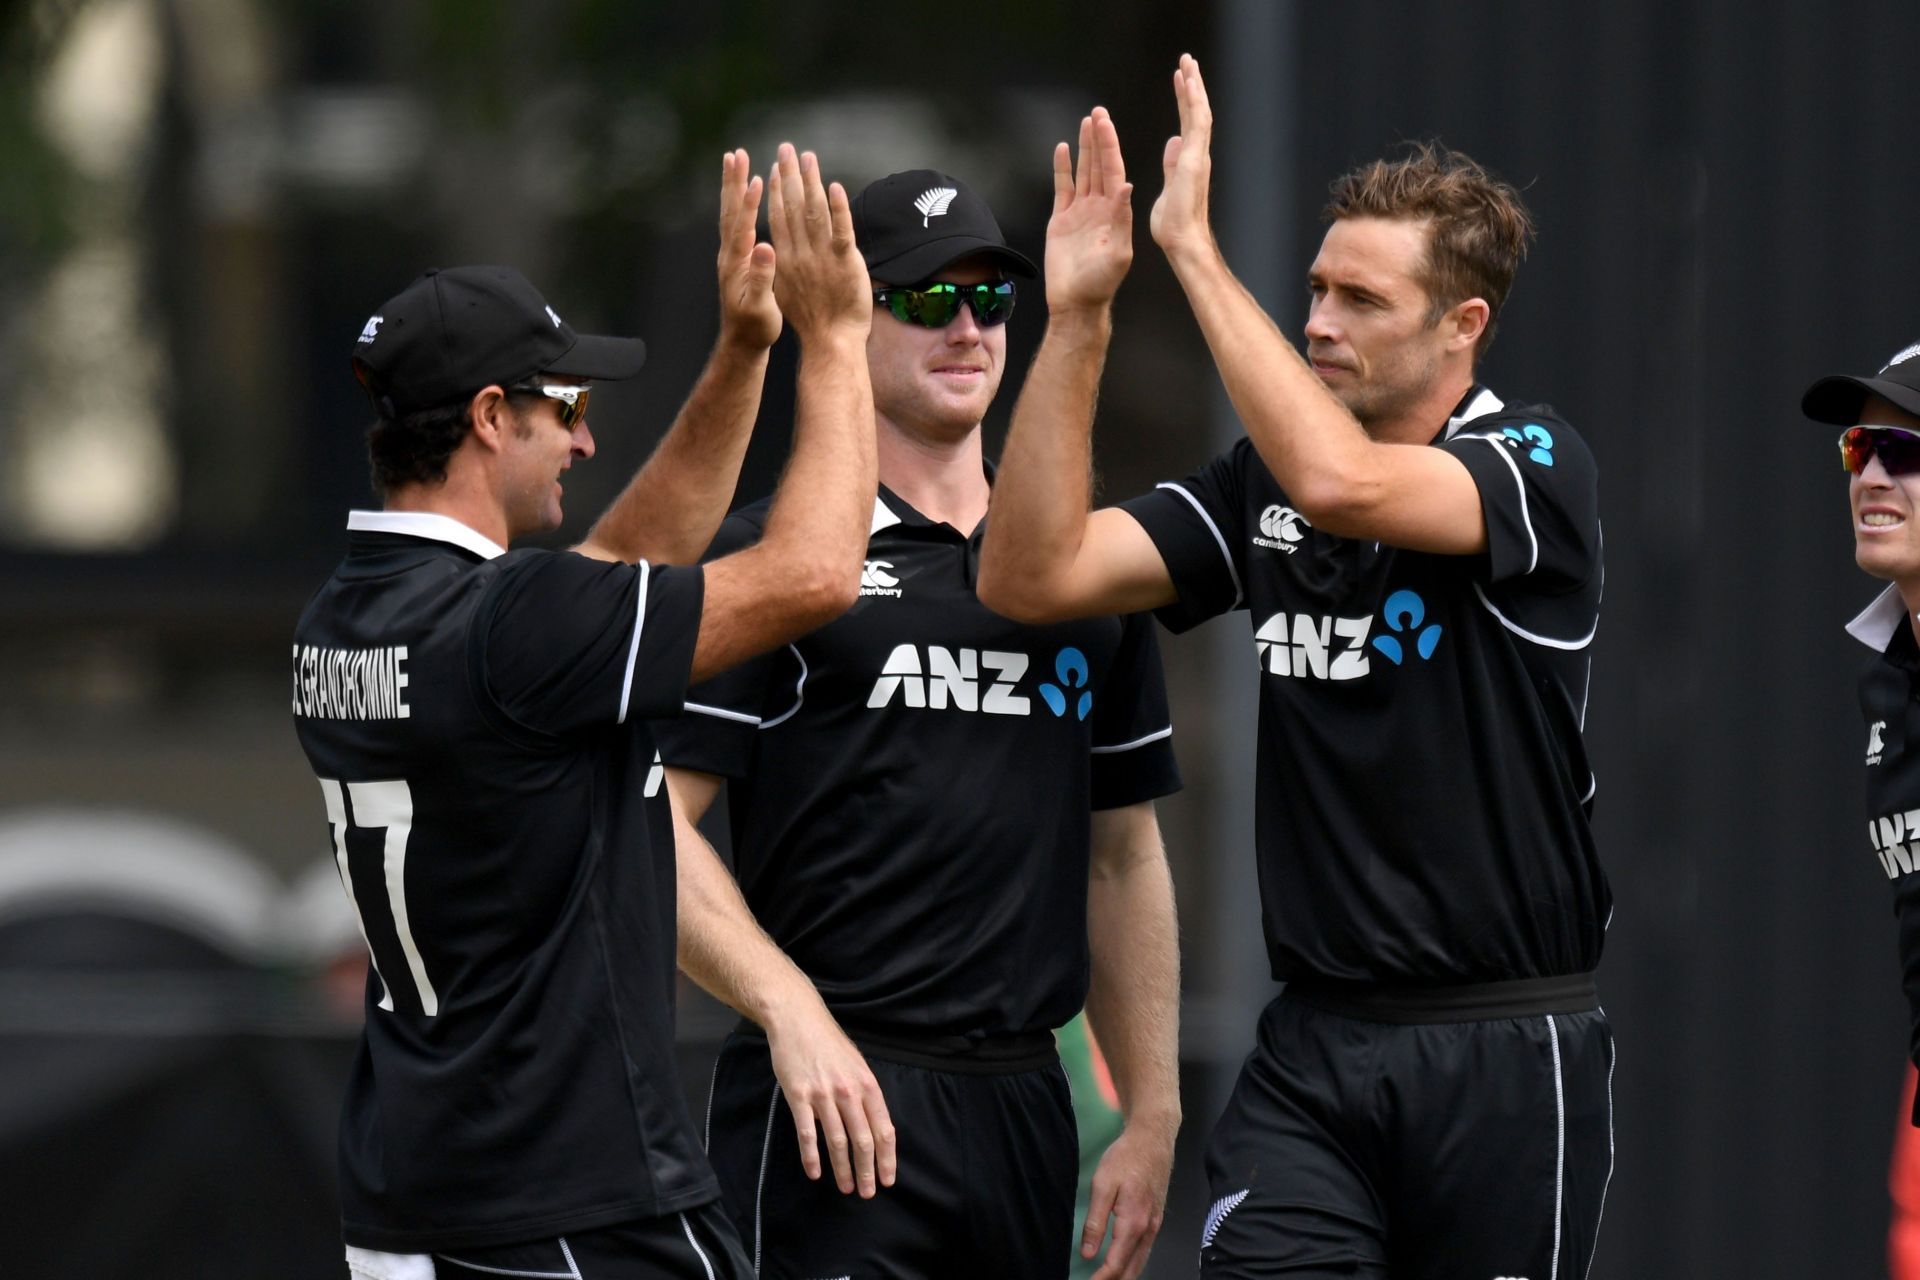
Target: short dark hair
414, 448
1479, 227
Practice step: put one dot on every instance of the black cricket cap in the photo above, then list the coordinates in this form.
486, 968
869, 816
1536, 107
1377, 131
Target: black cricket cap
1837, 399
458, 329
910, 225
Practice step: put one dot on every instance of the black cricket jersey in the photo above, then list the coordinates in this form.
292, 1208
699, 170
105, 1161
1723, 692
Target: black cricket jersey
1422, 790
910, 786
478, 720
1889, 703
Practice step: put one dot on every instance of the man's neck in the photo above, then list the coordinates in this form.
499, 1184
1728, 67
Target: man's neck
456, 501
1420, 421
944, 481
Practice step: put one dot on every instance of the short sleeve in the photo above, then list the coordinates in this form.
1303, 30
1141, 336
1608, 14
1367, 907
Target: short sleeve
564, 643
1198, 525
1132, 743
1539, 491
717, 731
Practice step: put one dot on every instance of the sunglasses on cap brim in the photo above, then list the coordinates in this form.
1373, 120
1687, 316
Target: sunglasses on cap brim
1897, 448
571, 395
934, 305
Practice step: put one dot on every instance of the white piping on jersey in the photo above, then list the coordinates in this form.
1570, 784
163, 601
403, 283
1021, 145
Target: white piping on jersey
698, 1251
1593, 786
1524, 634
883, 517
633, 650
722, 713
766, 1146
1602, 1211
426, 524
571, 1273
706, 1129
1214, 529
1483, 403
799, 693
1526, 517
1875, 624
1155, 736
1560, 1143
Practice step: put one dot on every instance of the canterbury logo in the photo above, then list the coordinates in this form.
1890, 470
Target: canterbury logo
553, 316
933, 203
371, 329
876, 581
1280, 528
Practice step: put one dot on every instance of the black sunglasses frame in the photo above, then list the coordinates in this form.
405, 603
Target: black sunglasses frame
910, 304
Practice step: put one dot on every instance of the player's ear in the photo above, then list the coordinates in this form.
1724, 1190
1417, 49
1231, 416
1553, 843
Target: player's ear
1465, 322
490, 418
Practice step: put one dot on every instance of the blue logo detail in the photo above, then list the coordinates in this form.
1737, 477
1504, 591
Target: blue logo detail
1070, 665
1404, 613
1538, 437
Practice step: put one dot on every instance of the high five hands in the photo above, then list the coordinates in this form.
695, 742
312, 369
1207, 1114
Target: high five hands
1090, 236
1179, 221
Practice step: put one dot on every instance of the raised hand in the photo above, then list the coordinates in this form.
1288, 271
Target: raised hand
1179, 218
748, 314
822, 282
1090, 236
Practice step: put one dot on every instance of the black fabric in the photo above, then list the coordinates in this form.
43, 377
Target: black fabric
516, 1075
985, 1184
1439, 1152
910, 785
1423, 788
1890, 707
692, 1244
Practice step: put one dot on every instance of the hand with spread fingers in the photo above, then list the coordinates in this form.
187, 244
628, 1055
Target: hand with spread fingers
1090, 235
1179, 221
822, 281
830, 1090
749, 316
1130, 1185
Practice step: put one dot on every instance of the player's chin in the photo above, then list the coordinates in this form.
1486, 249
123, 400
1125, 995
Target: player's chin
1885, 558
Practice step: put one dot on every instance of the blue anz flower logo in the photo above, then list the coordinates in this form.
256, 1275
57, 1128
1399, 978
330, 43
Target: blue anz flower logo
1404, 613
1537, 440
1070, 665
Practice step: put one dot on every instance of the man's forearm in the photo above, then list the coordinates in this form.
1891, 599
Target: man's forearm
1044, 488
722, 947
824, 505
672, 507
1133, 1001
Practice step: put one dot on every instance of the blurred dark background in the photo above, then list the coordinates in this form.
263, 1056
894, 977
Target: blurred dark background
201, 201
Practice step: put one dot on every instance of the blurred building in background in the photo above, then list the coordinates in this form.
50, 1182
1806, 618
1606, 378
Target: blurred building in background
200, 199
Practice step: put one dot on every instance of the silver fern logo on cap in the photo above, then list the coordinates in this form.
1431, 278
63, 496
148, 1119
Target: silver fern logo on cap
1900, 358
933, 203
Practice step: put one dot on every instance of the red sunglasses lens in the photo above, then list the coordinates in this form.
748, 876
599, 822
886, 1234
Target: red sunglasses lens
1898, 451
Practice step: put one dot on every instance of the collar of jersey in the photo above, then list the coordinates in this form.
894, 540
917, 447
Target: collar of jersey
890, 509
1879, 622
1477, 403
425, 524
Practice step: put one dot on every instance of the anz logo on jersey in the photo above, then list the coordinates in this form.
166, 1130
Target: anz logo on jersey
934, 678
1896, 842
1305, 646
